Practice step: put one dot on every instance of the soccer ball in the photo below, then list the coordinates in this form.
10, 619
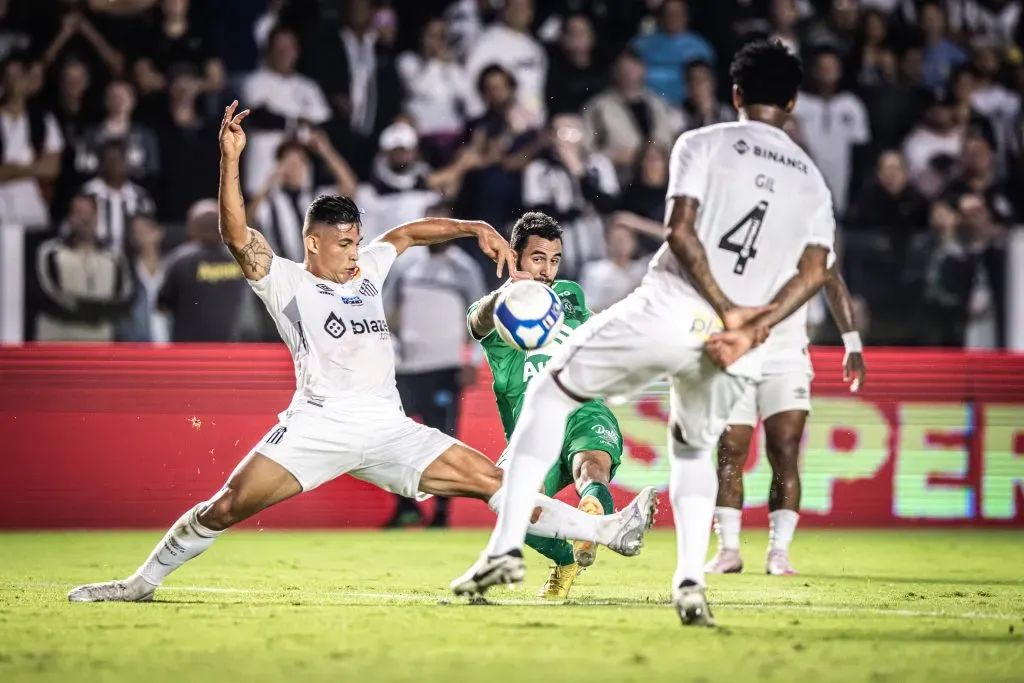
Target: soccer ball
528, 315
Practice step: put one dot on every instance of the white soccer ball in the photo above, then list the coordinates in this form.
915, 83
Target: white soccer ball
528, 315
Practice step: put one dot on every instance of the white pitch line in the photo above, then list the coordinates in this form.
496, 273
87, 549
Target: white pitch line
411, 597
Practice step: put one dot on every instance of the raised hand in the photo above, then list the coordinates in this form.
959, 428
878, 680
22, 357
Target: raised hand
497, 249
232, 136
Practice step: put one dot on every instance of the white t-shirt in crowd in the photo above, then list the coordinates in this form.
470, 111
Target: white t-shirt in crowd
293, 97
438, 94
922, 145
604, 282
830, 129
521, 55
21, 202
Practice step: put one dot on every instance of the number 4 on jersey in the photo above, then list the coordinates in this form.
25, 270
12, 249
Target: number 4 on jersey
746, 232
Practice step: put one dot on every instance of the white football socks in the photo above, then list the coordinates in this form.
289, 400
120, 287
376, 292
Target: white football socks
727, 527
559, 520
534, 448
692, 490
781, 527
186, 539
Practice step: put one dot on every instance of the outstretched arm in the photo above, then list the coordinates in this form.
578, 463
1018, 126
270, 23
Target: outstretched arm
427, 231
248, 246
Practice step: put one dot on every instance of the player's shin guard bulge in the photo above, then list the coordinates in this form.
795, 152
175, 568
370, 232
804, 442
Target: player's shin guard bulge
186, 539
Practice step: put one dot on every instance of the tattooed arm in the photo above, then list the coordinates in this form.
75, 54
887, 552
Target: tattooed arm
248, 246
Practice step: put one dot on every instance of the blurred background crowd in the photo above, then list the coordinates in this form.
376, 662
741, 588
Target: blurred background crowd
484, 109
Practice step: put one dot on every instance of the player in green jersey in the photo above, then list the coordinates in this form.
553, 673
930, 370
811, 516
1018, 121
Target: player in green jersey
592, 449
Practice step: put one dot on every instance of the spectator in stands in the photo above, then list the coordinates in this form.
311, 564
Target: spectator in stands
145, 322
573, 185
503, 143
266, 23
992, 20
992, 99
465, 21
575, 76
963, 85
203, 285
142, 149
30, 150
188, 162
73, 34
941, 55
890, 205
835, 31
962, 281
510, 44
118, 197
439, 95
785, 20
626, 116
426, 307
893, 103
667, 51
608, 280
283, 103
75, 111
279, 209
833, 124
173, 42
867, 66
702, 106
86, 285
643, 201
936, 138
730, 24
978, 178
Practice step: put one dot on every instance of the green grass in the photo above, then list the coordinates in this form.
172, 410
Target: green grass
868, 606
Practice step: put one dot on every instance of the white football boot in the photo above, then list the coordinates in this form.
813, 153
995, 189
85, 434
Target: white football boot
132, 589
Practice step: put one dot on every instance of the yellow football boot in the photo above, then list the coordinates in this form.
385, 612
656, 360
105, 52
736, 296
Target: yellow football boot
559, 582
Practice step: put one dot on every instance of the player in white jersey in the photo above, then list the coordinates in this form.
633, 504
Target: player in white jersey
747, 207
782, 400
346, 417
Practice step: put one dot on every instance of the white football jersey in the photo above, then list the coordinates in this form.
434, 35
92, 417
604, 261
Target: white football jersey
762, 201
337, 333
787, 345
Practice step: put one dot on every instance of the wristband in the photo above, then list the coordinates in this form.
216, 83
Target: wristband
852, 342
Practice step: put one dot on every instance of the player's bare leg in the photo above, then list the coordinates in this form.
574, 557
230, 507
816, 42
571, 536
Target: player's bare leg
592, 471
256, 484
464, 472
733, 450
783, 435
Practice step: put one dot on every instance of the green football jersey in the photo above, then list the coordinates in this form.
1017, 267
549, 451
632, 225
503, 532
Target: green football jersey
513, 369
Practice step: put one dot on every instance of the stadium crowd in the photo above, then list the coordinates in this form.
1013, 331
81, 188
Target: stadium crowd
484, 109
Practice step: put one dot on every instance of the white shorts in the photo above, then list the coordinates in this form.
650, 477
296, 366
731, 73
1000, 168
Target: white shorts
644, 337
317, 445
774, 394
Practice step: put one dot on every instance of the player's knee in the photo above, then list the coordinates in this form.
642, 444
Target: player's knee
224, 511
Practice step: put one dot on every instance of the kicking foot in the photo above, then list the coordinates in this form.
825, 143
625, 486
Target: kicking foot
491, 571
585, 552
778, 564
559, 582
634, 521
725, 561
691, 603
132, 589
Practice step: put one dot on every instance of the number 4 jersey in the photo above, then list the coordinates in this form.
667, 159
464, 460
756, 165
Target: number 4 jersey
762, 201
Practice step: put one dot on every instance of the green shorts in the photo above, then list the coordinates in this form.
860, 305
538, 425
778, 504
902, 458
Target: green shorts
590, 428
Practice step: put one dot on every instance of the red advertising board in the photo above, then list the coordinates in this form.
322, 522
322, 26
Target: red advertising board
129, 436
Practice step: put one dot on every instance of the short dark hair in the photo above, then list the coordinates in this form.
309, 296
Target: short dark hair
87, 196
697, 64
290, 145
332, 209
766, 72
492, 69
280, 30
534, 223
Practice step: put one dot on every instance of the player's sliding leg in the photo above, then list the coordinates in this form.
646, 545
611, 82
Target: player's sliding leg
783, 434
256, 484
462, 471
592, 472
733, 450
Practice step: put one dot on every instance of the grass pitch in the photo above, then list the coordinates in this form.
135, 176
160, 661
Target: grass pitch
262, 606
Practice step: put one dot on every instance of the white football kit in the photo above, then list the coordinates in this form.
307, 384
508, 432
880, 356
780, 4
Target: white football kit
787, 372
762, 201
346, 416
